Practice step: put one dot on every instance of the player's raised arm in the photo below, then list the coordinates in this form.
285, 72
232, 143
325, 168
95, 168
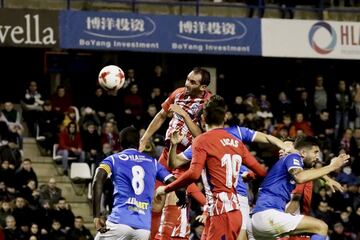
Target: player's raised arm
155, 124
251, 162
302, 176
266, 138
98, 183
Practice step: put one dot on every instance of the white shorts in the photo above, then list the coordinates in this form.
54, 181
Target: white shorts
122, 232
245, 211
272, 223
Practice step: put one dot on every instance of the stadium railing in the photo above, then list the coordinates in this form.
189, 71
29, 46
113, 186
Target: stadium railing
196, 5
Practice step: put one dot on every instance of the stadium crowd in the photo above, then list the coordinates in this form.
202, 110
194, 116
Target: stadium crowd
90, 133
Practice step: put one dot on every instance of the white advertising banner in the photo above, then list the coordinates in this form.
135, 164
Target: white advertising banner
310, 39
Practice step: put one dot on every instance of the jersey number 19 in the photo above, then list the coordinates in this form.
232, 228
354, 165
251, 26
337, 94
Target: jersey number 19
232, 165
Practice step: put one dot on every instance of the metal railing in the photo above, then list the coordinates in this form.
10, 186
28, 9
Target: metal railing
260, 7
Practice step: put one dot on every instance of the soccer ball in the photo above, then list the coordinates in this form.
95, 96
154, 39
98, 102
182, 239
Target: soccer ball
111, 78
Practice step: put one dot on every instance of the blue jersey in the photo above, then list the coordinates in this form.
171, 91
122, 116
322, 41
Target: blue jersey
245, 135
274, 192
242, 187
133, 174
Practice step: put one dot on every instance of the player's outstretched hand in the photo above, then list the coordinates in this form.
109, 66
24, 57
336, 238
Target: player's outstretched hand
201, 218
177, 109
334, 185
100, 225
176, 137
339, 161
160, 191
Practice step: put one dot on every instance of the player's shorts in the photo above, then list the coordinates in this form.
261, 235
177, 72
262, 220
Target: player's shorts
272, 223
122, 232
225, 226
174, 224
245, 211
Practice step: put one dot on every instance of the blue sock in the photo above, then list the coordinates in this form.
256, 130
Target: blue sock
318, 237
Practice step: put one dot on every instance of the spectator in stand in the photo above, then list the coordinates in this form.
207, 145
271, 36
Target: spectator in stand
34, 231
320, 95
25, 173
7, 173
70, 144
301, 124
11, 232
111, 136
50, 192
12, 117
342, 103
283, 106
355, 219
338, 233
324, 129
22, 213
88, 115
324, 212
355, 165
251, 104
45, 215
56, 233
305, 106
237, 106
133, 107
355, 93
11, 152
64, 214
32, 105
5, 210
130, 78
31, 194
156, 97
79, 231
71, 115
91, 142
348, 144
158, 80
48, 127
61, 101
98, 103
286, 124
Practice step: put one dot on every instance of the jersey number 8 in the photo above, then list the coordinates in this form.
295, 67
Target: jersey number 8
137, 181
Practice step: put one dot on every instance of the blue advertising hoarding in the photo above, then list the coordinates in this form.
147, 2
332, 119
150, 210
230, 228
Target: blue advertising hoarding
159, 33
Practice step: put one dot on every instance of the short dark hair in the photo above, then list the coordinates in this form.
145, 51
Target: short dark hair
205, 75
129, 138
214, 110
305, 142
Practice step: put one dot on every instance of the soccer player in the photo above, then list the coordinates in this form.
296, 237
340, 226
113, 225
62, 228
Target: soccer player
133, 174
221, 154
190, 98
301, 196
269, 219
245, 135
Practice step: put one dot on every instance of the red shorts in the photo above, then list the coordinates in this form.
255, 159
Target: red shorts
172, 225
225, 226
205, 232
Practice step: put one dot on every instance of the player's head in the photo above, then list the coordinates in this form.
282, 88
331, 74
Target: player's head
129, 138
214, 111
308, 148
289, 142
197, 81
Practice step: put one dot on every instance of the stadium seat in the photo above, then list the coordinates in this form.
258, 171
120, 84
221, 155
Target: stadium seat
80, 171
57, 157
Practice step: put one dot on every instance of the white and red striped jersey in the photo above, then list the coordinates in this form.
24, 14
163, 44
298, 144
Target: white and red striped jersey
220, 155
190, 105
